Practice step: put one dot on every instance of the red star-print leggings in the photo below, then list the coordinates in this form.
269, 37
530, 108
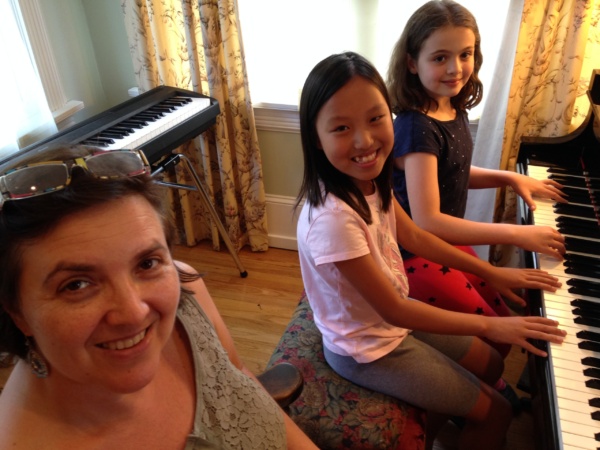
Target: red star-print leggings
454, 290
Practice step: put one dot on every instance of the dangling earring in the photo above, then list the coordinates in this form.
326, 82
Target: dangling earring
35, 360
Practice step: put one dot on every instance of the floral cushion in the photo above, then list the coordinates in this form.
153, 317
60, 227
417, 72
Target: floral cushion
335, 413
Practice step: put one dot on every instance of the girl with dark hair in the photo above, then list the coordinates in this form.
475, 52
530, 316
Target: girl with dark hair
349, 230
432, 82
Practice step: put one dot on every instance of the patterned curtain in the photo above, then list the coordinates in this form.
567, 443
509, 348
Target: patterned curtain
196, 45
558, 47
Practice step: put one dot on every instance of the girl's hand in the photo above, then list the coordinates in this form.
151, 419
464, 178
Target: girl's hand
541, 240
517, 330
504, 279
527, 187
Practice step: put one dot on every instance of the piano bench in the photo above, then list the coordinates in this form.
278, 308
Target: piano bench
332, 411
283, 382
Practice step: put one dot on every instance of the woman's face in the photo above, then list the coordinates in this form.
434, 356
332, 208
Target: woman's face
99, 295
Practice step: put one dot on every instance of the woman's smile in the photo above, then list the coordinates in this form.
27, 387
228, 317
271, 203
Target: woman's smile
124, 344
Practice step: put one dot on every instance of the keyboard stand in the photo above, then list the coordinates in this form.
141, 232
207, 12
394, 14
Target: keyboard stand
170, 163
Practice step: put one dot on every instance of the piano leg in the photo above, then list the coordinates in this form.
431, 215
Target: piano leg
213, 212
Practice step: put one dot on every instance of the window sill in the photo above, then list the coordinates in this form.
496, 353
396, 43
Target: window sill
277, 117
67, 111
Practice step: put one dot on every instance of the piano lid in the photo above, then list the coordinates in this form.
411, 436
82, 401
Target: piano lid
568, 150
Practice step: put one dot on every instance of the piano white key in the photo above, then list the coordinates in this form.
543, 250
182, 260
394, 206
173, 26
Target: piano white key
142, 135
576, 427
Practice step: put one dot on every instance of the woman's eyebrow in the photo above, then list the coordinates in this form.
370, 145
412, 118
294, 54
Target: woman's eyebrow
66, 266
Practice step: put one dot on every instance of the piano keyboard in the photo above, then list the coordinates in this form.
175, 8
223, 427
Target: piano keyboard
576, 305
157, 121
135, 131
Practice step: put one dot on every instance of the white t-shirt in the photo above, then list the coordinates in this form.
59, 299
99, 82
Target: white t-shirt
350, 326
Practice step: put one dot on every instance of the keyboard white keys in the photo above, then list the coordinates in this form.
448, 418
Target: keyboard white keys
153, 128
577, 426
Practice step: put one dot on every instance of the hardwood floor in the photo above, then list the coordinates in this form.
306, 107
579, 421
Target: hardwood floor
257, 309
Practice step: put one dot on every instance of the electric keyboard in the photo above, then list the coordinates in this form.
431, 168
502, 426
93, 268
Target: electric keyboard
565, 387
156, 121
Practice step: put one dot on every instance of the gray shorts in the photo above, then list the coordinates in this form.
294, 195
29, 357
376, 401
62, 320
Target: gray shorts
423, 371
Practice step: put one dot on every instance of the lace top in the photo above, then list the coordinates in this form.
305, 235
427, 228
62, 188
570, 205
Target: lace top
232, 411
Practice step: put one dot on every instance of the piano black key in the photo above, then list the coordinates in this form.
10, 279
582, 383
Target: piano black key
163, 108
575, 210
592, 362
577, 231
587, 313
133, 120
593, 383
587, 246
588, 335
569, 181
592, 287
594, 402
576, 195
113, 134
181, 98
585, 304
567, 221
582, 259
175, 102
132, 124
583, 271
121, 127
592, 373
589, 269
590, 322
561, 170
97, 140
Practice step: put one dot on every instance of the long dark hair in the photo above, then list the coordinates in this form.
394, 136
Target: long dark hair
405, 88
325, 79
24, 221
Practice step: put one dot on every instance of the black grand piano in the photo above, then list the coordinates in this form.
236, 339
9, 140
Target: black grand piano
565, 387
157, 121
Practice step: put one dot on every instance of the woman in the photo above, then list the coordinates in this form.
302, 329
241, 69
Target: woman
113, 351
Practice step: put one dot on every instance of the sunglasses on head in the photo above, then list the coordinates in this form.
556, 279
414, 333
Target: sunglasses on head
50, 176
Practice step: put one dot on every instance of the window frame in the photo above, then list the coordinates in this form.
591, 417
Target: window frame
62, 108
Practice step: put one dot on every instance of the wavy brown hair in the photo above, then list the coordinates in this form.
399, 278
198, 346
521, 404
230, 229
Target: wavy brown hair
405, 88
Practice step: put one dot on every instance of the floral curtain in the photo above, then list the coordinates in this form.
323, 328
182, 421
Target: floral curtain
196, 45
558, 47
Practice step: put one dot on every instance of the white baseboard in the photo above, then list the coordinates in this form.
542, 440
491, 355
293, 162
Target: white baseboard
282, 222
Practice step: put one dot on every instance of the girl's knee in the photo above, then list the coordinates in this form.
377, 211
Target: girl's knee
490, 407
483, 361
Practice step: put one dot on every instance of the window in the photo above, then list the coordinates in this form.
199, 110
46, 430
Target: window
41, 51
284, 40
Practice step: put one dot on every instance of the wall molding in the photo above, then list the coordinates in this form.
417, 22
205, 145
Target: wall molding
275, 117
281, 222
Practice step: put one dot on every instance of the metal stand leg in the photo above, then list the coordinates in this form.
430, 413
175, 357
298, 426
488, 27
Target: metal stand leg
198, 187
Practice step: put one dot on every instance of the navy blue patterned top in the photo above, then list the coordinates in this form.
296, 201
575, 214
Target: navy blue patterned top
451, 142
